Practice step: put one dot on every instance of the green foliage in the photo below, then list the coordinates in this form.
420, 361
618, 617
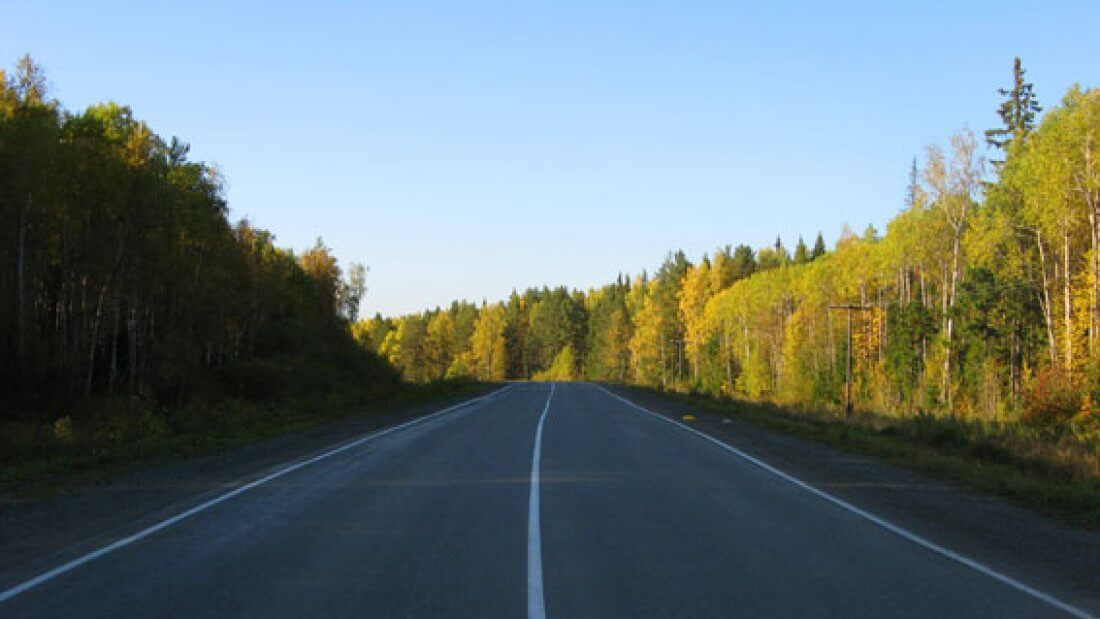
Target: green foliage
609, 333
124, 280
911, 326
112, 434
1018, 112
819, 247
801, 252
742, 264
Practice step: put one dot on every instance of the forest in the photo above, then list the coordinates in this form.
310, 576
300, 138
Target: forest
980, 301
133, 308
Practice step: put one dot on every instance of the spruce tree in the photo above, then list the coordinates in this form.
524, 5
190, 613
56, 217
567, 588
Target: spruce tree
744, 262
913, 190
1018, 111
819, 248
801, 252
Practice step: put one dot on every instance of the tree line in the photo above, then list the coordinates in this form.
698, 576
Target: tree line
980, 300
123, 276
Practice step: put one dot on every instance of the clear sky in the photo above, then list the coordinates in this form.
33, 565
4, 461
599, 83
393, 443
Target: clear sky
462, 149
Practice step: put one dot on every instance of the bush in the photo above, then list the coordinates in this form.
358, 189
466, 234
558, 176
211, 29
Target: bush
258, 380
1085, 425
63, 430
126, 422
1052, 398
20, 439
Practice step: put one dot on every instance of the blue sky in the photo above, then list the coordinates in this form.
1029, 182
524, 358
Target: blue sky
462, 149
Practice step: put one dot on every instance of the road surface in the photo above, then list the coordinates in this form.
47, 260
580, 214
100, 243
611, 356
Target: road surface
538, 500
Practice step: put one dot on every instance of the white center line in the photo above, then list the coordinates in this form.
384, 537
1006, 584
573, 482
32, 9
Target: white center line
536, 604
882, 522
164, 524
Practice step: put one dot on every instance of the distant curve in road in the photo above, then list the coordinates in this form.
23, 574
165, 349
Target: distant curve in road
630, 514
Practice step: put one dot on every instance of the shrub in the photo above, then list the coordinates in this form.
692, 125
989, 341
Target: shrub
20, 439
1052, 398
1085, 425
126, 422
63, 430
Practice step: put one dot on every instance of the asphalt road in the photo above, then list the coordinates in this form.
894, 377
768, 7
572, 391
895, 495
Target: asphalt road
520, 504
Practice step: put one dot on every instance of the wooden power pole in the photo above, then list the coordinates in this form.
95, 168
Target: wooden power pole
848, 361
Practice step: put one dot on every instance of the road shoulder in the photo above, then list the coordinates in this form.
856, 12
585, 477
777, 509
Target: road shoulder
40, 533
1046, 553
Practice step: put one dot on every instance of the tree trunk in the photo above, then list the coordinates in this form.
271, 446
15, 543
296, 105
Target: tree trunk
94, 338
949, 304
1094, 305
944, 297
1067, 300
923, 288
132, 327
748, 350
729, 359
21, 285
1091, 200
1014, 363
661, 352
848, 370
1044, 299
695, 361
114, 349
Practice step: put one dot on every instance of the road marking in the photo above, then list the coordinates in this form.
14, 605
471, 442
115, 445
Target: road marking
885, 524
536, 603
164, 524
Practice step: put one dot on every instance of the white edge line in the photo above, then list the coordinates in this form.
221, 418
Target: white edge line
164, 524
885, 524
536, 602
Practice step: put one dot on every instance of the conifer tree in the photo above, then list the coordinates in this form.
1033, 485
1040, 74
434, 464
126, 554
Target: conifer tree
744, 262
1018, 111
912, 192
801, 252
819, 248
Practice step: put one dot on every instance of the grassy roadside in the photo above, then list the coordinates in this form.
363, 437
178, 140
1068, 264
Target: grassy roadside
1020, 464
38, 459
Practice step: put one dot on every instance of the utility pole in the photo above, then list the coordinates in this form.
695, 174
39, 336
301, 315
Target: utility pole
848, 361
